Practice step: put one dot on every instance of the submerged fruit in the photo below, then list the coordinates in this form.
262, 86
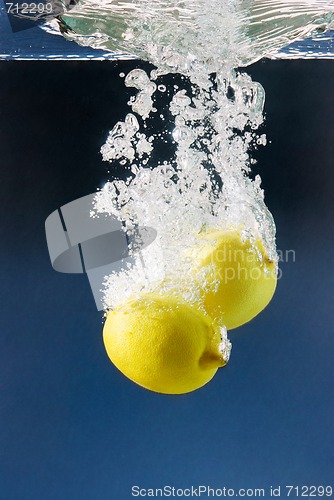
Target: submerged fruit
240, 277
164, 344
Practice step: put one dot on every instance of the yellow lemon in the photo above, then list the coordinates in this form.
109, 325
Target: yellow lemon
241, 278
164, 344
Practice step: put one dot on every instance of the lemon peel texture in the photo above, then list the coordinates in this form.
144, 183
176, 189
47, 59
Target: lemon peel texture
165, 344
239, 279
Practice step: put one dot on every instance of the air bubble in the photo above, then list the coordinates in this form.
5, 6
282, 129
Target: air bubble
207, 184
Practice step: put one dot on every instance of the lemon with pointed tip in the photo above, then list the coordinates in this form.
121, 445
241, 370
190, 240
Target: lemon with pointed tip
241, 278
164, 344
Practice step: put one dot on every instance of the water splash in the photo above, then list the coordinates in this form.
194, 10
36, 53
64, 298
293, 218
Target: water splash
177, 33
206, 184
216, 116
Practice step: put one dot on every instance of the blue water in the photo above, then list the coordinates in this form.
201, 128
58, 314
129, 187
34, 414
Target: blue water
73, 427
35, 43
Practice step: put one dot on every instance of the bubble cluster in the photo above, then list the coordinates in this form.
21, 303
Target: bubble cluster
178, 36
213, 120
205, 186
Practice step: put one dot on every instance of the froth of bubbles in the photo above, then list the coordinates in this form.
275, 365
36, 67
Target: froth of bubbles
142, 104
225, 345
212, 120
180, 36
206, 186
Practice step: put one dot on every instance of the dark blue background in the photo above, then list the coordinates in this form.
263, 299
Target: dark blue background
72, 426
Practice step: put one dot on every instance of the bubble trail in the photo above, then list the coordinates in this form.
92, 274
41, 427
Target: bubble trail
216, 114
206, 184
